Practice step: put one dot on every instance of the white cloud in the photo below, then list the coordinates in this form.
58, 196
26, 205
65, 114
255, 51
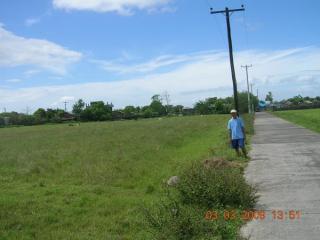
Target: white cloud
122, 67
13, 80
122, 7
31, 72
31, 21
286, 73
17, 51
63, 100
166, 9
67, 98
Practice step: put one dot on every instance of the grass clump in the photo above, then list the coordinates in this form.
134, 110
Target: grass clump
173, 220
218, 185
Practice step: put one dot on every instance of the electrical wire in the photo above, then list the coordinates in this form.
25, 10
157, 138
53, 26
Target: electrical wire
220, 32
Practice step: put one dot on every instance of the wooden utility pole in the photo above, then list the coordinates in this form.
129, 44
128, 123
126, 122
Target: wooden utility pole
252, 103
65, 106
249, 100
227, 12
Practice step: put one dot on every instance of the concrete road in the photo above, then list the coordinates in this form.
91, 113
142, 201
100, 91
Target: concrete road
285, 168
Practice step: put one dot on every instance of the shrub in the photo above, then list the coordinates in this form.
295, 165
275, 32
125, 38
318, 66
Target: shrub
172, 220
215, 184
222, 187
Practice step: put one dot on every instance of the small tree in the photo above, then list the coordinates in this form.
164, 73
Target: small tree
178, 109
156, 98
202, 107
156, 105
78, 107
130, 112
269, 97
40, 115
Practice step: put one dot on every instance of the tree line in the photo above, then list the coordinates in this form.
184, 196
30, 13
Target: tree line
295, 103
101, 111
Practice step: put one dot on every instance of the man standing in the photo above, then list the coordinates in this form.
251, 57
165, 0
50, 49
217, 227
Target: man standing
237, 133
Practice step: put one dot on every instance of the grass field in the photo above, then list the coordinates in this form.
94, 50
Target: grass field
88, 181
309, 118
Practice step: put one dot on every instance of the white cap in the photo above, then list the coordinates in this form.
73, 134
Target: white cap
233, 111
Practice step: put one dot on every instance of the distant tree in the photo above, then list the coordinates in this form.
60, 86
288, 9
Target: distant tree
243, 102
50, 114
156, 106
26, 120
178, 109
269, 97
2, 123
296, 100
78, 107
219, 106
146, 112
202, 107
40, 115
97, 111
130, 112
156, 98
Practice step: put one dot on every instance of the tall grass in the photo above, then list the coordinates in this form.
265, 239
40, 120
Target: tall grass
88, 181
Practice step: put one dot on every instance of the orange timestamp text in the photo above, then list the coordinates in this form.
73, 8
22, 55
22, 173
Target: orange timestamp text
248, 215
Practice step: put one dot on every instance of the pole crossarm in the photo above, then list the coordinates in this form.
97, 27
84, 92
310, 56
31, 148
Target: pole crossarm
246, 66
229, 10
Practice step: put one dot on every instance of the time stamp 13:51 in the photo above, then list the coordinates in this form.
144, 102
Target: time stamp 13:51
249, 215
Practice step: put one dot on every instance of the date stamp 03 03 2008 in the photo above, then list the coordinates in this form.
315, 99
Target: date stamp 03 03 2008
248, 215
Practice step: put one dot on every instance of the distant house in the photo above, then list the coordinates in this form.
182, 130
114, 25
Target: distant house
6, 121
187, 111
67, 117
117, 114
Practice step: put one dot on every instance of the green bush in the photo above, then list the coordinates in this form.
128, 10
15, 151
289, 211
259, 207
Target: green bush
172, 220
248, 119
201, 188
223, 187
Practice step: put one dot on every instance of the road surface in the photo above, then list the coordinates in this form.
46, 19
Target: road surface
285, 168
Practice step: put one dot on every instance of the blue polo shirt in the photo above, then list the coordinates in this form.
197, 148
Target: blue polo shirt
236, 125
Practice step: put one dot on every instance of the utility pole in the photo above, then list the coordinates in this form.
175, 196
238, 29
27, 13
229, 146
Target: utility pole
27, 110
166, 97
249, 102
227, 12
65, 106
253, 110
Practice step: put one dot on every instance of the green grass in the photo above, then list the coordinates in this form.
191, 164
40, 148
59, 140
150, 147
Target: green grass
88, 181
309, 118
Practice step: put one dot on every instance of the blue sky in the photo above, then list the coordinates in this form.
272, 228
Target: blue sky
124, 51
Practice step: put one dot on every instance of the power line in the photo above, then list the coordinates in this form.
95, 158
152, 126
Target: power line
246, 28
221, 35
227, 13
